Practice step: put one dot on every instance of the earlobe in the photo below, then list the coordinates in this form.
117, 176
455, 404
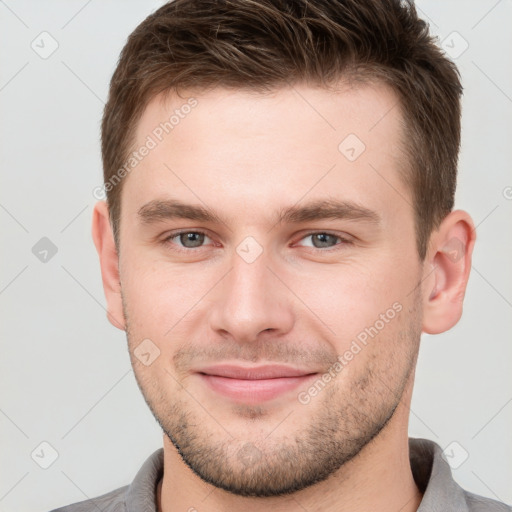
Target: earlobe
447, 268
109, 261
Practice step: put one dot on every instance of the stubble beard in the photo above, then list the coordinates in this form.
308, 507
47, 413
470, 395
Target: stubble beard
345, 419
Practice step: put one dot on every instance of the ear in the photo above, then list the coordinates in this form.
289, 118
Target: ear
446, 272
109, 262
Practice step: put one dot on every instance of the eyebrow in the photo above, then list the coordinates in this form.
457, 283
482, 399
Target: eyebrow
328, 209
158, 210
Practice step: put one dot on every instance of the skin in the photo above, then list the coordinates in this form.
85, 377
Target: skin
247, 157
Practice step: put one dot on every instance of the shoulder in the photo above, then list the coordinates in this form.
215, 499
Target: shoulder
481, 504
433, 476
139, 495
113, 501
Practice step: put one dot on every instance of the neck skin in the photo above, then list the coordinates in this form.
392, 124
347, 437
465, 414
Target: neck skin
378, 478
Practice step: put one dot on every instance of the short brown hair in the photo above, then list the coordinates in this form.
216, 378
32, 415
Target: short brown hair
266, 44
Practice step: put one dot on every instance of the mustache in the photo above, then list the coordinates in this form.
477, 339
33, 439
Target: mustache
274, 352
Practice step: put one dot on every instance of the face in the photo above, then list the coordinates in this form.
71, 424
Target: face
269, 279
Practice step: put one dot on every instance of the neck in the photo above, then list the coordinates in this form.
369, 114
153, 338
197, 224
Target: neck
378, 478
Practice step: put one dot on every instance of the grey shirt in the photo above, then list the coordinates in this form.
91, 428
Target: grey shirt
431, 473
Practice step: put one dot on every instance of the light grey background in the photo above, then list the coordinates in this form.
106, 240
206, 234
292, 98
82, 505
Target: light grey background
65, 375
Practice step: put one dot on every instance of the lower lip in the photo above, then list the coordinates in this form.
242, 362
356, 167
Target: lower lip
256, 390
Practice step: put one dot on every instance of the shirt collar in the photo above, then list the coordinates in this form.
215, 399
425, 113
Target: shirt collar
141, 494
431, 473
434, 479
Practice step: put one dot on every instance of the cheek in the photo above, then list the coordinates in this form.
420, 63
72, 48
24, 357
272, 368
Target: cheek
350, 298
159, 295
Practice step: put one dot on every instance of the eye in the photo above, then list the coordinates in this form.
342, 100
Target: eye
323, 240
188, 239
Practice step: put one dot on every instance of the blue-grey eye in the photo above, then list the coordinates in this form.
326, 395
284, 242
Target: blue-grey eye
322, 240
191, 239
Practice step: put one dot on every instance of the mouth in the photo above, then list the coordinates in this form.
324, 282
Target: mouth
253, 385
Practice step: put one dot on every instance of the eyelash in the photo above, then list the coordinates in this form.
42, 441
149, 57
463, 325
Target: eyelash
342, 241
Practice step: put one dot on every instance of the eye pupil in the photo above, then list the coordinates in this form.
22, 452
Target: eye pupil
192, 239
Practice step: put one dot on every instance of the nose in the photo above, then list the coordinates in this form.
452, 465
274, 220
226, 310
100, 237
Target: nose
251, 300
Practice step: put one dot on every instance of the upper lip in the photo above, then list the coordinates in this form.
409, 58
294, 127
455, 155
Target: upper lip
254, 373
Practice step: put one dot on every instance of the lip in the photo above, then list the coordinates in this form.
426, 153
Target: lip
268, 371
253, 384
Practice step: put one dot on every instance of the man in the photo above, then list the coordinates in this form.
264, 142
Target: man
278, 232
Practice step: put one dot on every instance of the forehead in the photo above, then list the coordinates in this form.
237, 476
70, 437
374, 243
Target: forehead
266, 150
366, 110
